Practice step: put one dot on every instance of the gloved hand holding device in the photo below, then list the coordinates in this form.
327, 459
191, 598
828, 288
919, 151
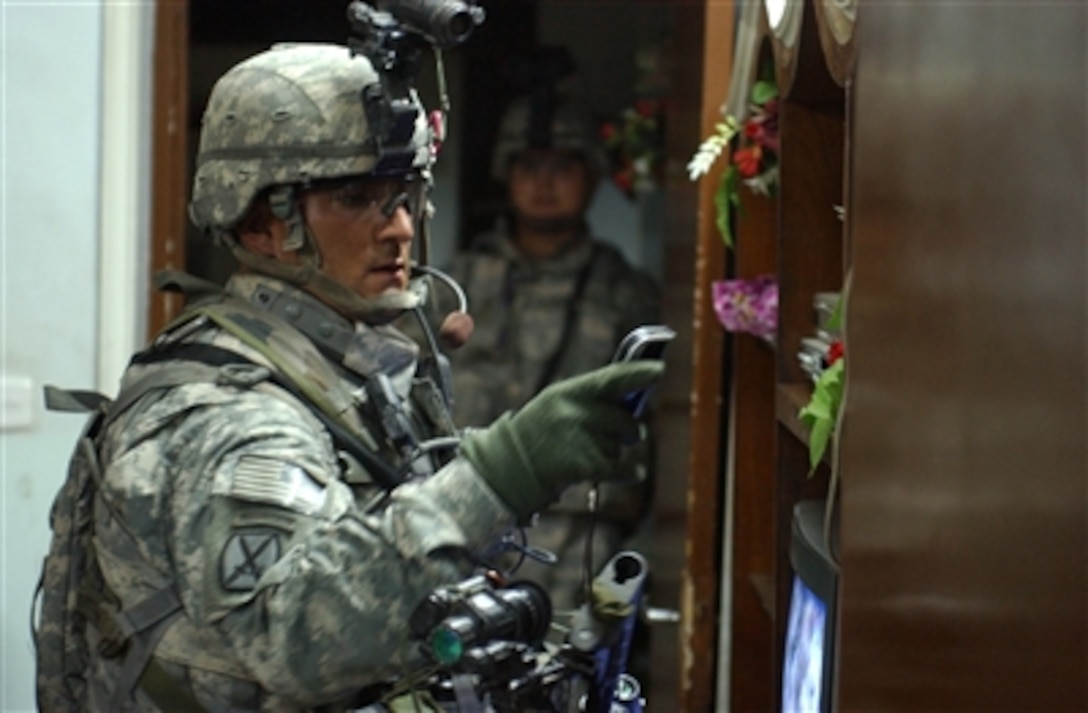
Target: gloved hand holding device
572, 431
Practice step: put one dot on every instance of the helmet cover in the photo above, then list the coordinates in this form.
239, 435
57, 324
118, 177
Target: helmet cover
289, 115
530, 123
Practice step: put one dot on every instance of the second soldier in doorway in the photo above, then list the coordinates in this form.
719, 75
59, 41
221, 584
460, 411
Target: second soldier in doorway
550, 301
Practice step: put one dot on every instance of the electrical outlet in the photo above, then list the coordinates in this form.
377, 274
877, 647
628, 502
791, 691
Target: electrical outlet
16, 402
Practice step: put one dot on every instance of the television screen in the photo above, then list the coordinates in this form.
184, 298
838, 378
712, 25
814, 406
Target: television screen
808, 657
803, 667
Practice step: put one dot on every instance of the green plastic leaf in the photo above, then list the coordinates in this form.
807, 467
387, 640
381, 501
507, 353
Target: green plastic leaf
763, 91
818, 438
834, 321
822, 411
818, 409
726, 198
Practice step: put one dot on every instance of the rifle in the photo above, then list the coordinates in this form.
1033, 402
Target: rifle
605, 626
484, 640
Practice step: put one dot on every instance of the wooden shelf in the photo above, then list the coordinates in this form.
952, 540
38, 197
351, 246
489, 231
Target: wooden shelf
789, 400
797, 236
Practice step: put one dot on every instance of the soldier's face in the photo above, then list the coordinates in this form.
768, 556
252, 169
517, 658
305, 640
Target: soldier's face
361, 247
548, 185
364, 242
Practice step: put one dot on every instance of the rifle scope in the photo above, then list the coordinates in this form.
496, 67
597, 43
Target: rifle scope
520, 612
444, 23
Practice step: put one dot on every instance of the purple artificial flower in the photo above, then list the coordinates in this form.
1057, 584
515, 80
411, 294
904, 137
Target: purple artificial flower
747, 305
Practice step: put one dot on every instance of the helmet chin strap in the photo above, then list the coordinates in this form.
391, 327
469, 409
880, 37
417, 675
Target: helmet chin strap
309, 276
373, 311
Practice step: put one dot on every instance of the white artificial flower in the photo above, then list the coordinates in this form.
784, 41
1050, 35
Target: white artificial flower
712, 147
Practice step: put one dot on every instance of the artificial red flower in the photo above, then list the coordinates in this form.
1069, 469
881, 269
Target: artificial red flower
769, 140
763, 126
834, 352
756, 133
646, 107
747, 160
634, 143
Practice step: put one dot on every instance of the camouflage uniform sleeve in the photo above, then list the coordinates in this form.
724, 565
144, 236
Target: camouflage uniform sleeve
311, 593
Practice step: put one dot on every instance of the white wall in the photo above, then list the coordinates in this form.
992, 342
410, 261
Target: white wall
56, 324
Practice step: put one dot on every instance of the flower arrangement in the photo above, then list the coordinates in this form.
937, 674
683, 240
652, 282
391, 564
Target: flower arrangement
822, 411
634, 142
749, 306
754, 162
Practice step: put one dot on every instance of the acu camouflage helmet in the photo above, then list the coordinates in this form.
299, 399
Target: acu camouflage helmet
289, 115
551, 123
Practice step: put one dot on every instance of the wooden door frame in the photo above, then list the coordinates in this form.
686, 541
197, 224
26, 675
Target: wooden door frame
702, 624
169, 151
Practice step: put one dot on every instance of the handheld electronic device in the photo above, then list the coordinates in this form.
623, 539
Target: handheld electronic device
645, 342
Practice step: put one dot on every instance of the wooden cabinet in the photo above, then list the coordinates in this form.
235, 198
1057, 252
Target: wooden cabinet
964, 548
964, 564
798, 236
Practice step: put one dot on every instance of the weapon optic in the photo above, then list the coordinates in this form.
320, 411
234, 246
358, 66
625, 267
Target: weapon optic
486, 641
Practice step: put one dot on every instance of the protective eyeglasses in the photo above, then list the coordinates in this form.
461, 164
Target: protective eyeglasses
367, 193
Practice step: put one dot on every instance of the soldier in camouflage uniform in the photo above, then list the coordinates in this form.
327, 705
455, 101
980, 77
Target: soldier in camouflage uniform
549, 301
282, 485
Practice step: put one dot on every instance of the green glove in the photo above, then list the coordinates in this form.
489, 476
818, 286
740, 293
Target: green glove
570, 432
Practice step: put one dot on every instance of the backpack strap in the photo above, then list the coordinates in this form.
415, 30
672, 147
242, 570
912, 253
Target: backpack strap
141, 626
299, 366
314, 393
76, 401
299, 371
217, 357
73, 401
